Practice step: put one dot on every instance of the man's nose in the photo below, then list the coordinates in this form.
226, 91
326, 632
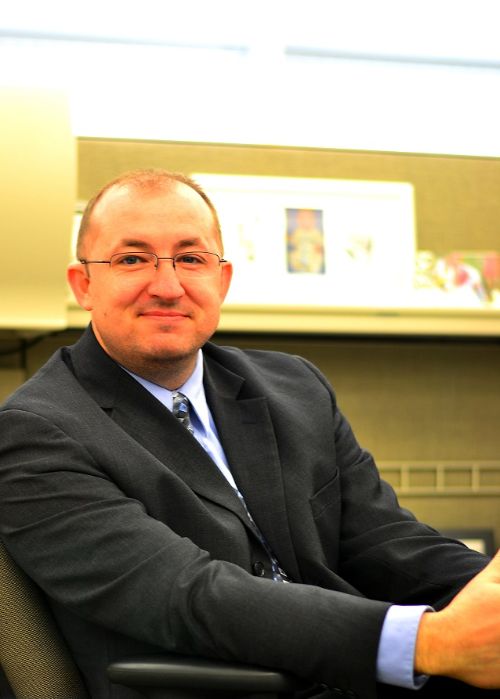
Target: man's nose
164, 280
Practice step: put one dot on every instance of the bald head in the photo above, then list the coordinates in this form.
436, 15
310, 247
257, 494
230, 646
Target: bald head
146, 181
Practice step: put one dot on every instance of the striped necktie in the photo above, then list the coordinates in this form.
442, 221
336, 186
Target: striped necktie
180, 410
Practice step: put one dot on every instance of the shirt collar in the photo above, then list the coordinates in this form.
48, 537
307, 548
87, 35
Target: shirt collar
192, 388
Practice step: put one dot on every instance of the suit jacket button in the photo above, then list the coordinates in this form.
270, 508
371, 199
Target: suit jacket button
259, 569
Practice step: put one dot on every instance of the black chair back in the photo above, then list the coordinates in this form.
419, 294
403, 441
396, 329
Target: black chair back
33, 655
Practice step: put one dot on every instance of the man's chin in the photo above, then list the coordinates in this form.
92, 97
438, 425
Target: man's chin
161, 353
162, 365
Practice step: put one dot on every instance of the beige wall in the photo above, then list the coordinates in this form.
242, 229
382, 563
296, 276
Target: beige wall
457, 199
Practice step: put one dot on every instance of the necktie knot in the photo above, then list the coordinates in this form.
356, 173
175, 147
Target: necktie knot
180, 410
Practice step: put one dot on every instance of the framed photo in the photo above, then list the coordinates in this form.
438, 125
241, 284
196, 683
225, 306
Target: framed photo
481, 540
321, 242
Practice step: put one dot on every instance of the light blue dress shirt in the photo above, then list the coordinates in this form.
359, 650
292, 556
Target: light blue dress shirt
200, 415
396, 650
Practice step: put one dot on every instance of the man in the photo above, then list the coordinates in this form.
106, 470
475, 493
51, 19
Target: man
261, 533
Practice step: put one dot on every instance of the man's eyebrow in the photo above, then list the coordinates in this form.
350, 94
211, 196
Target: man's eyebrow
133, 243
188, 243
142, 244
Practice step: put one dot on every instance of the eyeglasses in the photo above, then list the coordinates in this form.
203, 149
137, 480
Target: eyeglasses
189, 264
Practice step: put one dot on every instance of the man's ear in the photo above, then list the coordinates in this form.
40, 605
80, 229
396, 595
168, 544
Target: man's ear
225, 279
79, 281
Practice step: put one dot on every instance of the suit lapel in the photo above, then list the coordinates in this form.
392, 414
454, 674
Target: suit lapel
149, 423
247, 435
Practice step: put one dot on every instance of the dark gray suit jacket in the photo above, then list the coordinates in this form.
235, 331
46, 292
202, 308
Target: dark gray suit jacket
140, 544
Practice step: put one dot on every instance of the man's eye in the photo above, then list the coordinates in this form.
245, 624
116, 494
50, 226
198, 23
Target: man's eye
131, 260
190, 259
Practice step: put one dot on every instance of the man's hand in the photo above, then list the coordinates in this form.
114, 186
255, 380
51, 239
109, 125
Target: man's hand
463, 640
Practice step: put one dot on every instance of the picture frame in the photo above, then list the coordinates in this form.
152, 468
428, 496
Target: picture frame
298, 242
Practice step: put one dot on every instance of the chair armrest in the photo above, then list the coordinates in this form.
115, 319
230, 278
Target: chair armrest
171, 671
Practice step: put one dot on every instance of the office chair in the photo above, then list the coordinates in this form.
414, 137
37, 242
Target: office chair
38, 665
33, 656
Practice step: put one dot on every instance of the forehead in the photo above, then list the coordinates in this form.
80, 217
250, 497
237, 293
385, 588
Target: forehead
175, 199
166, 211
